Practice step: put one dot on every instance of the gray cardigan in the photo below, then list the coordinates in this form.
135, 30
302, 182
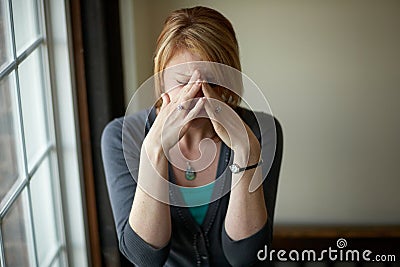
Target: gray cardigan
191, 244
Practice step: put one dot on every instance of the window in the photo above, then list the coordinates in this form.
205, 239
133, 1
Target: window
33, 214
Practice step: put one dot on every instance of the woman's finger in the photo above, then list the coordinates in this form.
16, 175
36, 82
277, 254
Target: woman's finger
218, 127
196, 109
209, 92
165, 100
209, 107
213, 114
191, 90
226, 122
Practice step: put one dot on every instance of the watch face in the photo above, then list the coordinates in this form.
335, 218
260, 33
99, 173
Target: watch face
234, 168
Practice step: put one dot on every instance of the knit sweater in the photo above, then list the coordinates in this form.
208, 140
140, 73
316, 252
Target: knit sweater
191, 244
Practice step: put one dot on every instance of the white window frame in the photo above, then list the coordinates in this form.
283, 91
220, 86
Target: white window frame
54, 22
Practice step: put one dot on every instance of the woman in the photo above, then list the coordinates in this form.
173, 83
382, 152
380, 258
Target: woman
210, 228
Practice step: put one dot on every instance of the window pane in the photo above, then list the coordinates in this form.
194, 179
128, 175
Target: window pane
33, 107
16, 235
59, 261
5, 37
43, 212
25, 23
10, 159
56, 263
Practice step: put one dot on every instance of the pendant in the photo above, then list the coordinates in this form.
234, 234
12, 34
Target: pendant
190, 174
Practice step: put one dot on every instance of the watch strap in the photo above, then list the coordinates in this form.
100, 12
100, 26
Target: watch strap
235, 168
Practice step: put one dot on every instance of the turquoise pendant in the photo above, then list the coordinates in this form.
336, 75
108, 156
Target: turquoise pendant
190, 174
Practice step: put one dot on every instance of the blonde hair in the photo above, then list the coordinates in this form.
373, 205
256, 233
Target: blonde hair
202, 31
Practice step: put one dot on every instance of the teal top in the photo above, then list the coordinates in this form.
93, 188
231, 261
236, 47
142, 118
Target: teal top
195, 198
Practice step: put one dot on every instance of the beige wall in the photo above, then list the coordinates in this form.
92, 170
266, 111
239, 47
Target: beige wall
331, 72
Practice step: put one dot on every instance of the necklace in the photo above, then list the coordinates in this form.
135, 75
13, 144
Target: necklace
190, 174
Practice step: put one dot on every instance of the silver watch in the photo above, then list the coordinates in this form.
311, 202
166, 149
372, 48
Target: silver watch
236, 168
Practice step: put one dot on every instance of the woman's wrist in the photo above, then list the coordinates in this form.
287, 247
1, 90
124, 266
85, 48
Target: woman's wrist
245, 157
153, 150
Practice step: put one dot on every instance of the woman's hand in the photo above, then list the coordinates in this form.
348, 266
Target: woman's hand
169, 125
232, 130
